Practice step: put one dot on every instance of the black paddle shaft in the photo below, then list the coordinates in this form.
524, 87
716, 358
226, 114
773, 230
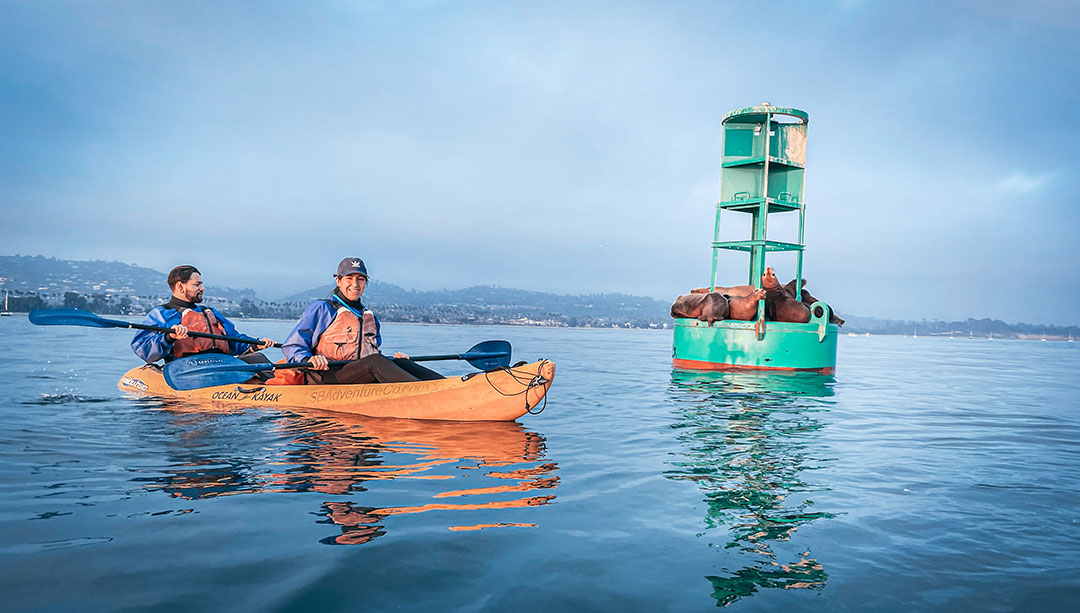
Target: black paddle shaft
306, 364
220, 337
428, 358
419, 358
78, 317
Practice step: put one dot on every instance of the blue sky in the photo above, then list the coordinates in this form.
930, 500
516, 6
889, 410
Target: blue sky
570, 147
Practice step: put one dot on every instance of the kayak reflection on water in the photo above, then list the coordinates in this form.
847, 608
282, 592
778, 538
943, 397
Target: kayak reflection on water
748, 439
344, 455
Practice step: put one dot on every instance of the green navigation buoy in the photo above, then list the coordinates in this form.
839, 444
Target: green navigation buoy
762, 173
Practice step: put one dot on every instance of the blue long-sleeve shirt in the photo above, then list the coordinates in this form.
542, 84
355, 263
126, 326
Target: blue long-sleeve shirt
152, 346
301, 342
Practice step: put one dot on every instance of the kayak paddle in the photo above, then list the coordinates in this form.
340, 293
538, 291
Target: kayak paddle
78, 317
211, 369
483, 356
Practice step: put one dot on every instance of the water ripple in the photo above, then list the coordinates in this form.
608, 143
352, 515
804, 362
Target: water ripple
928, 475
64, 398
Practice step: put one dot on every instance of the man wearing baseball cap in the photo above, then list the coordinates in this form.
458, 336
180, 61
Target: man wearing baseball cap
339, 328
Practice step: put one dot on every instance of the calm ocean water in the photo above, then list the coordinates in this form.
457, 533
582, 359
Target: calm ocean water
931, 474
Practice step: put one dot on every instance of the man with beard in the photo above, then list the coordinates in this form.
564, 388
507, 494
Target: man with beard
340, 328
183, 314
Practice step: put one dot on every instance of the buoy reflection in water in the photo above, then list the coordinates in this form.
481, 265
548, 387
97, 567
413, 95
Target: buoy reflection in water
749, 439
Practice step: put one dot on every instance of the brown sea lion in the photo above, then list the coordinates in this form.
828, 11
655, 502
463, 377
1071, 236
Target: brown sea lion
735, 290
790, 285
708, 307
780, 302
744, 308
808, 300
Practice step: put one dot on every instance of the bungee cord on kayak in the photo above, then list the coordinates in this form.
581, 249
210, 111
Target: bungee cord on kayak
527, 378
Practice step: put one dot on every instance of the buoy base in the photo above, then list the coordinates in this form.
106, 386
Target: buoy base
751, 345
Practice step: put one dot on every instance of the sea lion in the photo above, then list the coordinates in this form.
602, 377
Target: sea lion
707, 307
808, 300
742, 300
780, 301
735, 290
744, 308
790, 285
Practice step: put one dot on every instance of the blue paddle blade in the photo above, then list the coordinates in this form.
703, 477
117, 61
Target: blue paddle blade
73, 317
209, 370
488, 355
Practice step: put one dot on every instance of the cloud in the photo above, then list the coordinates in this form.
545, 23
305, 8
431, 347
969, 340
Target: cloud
455, 144
1022, 183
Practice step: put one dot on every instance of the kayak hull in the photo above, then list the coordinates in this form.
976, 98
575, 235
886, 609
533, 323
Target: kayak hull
503, 394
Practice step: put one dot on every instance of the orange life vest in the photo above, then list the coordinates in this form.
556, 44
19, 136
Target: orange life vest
346, 338
200, 321
286, 376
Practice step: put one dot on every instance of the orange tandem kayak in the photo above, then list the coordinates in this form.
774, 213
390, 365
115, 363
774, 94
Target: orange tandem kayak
503, 394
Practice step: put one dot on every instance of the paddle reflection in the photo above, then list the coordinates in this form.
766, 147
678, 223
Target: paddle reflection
484, 468
749, 438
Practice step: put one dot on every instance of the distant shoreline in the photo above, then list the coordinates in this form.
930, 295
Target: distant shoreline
112, 288
842, 333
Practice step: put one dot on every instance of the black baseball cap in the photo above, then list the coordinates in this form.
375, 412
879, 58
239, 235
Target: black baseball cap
351, 266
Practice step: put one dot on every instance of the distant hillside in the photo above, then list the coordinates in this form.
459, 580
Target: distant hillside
377, 292
977, 328
114, 287
50, 276
480, 297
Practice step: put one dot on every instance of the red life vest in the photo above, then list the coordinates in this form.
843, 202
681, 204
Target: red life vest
346, 338
200, 321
